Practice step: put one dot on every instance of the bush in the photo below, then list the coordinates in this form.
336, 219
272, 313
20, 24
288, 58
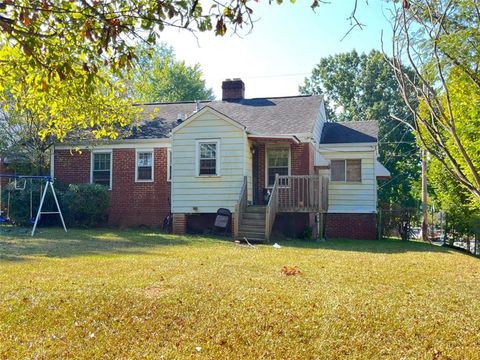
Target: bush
19, 210
86, 204
82, 205
307, 233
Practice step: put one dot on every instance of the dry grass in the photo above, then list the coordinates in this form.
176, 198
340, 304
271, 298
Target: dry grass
140, 294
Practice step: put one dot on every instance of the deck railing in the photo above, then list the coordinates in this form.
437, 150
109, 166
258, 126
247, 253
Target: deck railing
302, 193
240, 207
271, 209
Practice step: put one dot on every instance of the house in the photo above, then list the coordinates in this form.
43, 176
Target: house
273, 162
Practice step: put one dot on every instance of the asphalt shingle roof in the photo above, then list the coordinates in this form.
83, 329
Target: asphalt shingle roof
349, 132
265, 116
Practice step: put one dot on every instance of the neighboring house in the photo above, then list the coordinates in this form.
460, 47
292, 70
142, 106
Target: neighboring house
196, 157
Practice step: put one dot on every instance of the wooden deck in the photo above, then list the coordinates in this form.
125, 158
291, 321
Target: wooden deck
290, 194
294, 194
302, 193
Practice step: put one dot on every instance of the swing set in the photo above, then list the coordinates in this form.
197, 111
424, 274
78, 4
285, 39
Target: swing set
20, 184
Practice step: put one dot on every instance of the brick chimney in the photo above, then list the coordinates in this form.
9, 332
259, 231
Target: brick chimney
233, 89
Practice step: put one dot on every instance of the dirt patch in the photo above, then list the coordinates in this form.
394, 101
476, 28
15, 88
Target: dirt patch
155, 292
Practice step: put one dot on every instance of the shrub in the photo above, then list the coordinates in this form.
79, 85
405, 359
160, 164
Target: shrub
307, 233
22, 199
82, 205
86, 204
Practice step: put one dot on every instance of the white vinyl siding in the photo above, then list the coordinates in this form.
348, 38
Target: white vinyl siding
206, 194
352, 197
319, 123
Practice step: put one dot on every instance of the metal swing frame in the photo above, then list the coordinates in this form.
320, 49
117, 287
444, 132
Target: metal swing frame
48, 185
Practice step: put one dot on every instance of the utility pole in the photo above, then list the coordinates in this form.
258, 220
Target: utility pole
424, 197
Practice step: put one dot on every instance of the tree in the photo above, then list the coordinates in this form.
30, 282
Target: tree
364, 87
40, 109
159, 76
82, 39
453, 200
440, 41
98, 32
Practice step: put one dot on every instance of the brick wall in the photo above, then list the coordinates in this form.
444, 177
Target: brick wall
351, 226
302, 161
132, 203
179, 223
72, 167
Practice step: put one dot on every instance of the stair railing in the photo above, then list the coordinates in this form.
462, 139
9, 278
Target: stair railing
271, 210
240, 207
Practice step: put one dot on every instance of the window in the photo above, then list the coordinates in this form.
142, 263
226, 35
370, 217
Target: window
346, 170
278, 162
102, 168
144, 170
208, 153
169, 165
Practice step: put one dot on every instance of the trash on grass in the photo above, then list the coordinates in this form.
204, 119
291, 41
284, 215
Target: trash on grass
276, 246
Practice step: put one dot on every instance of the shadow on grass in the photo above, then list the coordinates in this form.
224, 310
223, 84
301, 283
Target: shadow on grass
385, 246
17, 245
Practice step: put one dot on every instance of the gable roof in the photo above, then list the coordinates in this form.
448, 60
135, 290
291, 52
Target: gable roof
211, 110
261, 116
349, 132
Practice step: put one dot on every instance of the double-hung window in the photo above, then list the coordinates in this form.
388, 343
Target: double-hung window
102, 168
346, 170
278, 162
144, 170
208, 158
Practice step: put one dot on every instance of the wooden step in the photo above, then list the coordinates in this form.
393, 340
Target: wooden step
252, 228
254, 216
252, 221
255, 209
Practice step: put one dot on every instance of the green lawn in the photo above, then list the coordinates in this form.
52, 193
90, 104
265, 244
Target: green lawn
141, 294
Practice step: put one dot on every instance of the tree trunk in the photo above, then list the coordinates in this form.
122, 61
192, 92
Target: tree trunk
424, 197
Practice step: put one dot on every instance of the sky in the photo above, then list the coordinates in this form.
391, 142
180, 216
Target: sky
284, 45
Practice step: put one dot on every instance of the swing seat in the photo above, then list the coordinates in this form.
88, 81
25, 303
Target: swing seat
31, 221
4, 220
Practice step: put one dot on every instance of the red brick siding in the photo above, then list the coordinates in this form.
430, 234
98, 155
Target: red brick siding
302, 161
179, 224
72, 167
351, 226
132, 203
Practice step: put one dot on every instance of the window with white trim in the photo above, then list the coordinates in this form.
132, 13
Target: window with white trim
144, 164
278, 162
346, 170
208, 158
102, 168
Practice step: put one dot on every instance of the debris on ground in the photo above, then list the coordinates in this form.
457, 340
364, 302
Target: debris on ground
247, 243
276, 246
290, 270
